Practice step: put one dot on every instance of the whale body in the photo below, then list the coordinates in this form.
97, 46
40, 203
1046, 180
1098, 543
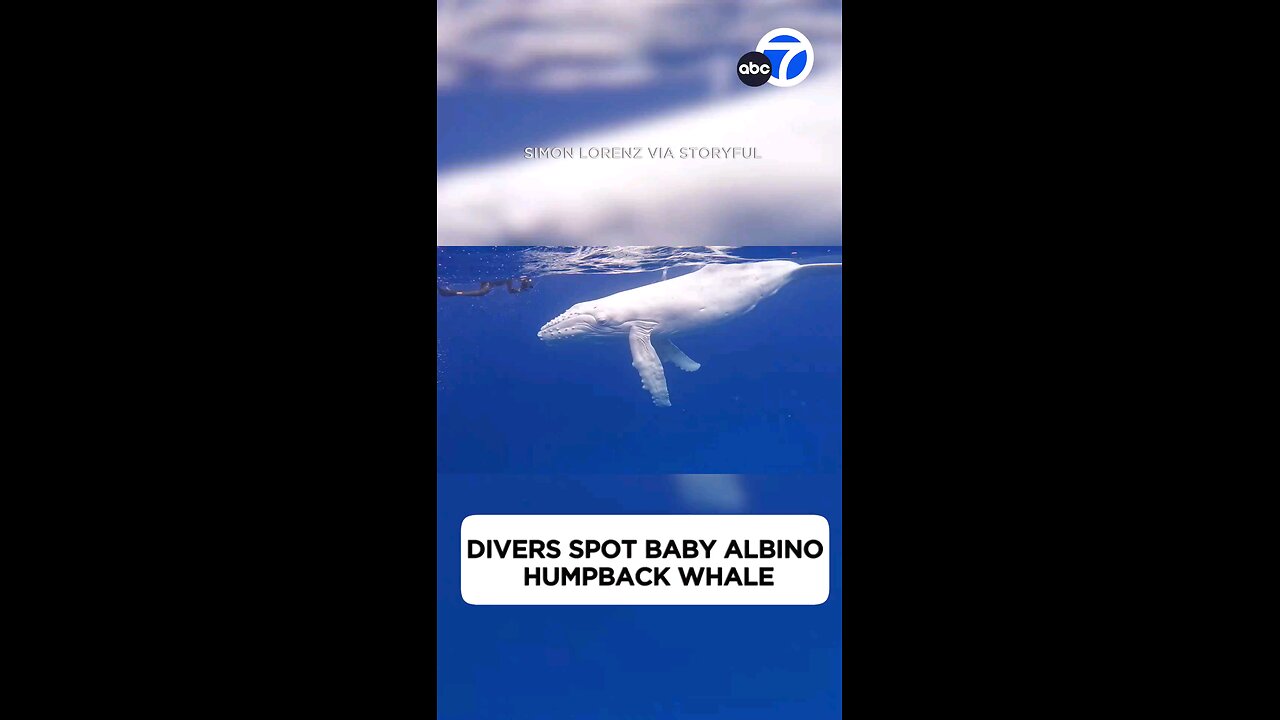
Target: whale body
650, 315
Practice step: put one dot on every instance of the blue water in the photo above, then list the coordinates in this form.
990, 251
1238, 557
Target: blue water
602, 662
767, 398
529, 428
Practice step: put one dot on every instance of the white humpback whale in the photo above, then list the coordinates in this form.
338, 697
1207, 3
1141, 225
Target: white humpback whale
650, 315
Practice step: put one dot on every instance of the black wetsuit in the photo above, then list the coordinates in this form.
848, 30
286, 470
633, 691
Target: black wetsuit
485, 287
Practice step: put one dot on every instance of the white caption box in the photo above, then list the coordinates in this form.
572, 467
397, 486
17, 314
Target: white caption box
640, 580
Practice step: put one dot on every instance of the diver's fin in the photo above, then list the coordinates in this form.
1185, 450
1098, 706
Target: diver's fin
668, 351
645, 360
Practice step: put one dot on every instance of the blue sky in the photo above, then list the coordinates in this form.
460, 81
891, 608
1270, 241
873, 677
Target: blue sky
492, 57
476, 124
546, 73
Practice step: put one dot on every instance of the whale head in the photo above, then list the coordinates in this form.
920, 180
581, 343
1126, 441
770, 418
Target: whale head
581, 320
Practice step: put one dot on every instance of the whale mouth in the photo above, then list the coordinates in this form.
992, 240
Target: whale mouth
568, 325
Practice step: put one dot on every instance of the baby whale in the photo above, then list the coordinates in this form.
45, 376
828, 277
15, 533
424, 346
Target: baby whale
650, 315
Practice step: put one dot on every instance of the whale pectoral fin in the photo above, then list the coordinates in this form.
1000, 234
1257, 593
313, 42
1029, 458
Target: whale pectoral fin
668, 351
645, 360
820, 268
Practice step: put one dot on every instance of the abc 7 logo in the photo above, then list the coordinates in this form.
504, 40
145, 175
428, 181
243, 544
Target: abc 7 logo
783, 58
754, 69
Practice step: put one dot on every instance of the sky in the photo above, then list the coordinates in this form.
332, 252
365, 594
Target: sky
663, 74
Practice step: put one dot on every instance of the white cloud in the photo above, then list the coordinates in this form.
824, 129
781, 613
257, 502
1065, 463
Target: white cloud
790, 196
578, 41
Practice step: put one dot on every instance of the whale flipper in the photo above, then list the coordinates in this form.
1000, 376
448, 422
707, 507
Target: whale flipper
668, 351
645, 360
820, 268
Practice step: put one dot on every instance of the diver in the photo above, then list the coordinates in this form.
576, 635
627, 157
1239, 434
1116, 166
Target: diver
526, 283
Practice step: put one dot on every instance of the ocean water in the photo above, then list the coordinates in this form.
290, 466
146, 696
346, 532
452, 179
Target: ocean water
606, 662
767, 398
530, 428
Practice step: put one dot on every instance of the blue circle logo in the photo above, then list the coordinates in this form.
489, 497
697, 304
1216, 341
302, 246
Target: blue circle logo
790, 55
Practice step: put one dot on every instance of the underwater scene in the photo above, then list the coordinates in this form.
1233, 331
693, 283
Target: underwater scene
638, 360
619, 661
